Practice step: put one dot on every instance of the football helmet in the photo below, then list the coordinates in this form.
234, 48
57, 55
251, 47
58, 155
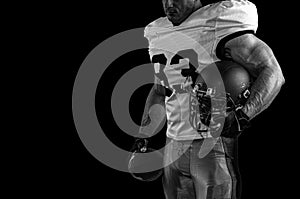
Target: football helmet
145, 163
222, 89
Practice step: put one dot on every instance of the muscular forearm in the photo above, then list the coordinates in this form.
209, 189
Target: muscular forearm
154, 113
263, 91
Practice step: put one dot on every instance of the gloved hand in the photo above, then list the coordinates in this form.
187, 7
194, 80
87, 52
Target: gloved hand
140, 145
242, 119
235, 123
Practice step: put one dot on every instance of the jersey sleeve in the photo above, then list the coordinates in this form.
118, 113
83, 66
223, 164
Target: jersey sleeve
154, 27
147, 32
150, 33
236, 16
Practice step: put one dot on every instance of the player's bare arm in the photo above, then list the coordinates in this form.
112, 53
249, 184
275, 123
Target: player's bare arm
154, 112
258, 58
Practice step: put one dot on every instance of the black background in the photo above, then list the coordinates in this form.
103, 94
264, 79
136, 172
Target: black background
76, 28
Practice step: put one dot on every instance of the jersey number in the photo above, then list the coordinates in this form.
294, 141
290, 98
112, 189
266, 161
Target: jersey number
187, 72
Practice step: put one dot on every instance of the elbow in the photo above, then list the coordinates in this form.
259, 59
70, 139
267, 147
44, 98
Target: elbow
280, 77
273, 74
277, 78
281, 81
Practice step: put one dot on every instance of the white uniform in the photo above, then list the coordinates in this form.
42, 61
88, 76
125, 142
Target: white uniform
195, 39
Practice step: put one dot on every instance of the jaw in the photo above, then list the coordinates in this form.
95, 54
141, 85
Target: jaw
178, 18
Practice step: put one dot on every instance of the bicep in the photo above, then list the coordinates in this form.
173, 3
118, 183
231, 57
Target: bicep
252, 53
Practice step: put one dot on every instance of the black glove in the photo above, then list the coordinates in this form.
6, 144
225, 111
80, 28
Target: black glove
235, 123
242, 119
140, 145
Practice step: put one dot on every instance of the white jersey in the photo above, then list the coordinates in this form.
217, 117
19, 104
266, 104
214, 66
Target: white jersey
195, 40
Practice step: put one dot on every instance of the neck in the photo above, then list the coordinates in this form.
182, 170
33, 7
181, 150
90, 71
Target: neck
197, 5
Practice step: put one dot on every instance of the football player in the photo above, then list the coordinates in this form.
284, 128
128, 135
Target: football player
193, 35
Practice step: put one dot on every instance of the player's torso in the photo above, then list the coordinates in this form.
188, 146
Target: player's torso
173, 49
